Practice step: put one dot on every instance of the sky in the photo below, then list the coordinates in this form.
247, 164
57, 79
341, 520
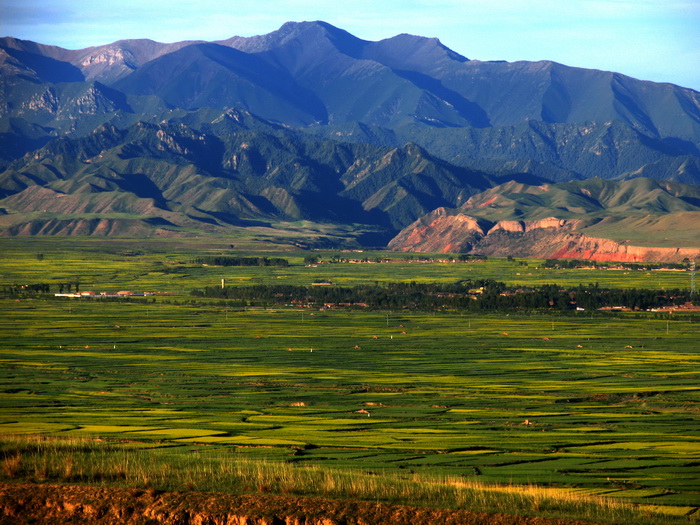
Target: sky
655, 40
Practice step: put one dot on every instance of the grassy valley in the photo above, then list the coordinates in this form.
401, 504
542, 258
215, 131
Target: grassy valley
449, 409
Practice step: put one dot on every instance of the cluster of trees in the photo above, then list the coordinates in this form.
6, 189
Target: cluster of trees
17, 289
227, 260
464, 295
314, 259
589, 297
387, 296
68, 287
577, 263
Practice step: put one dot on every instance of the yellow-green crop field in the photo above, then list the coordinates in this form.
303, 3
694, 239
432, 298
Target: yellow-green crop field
166, 265
601, 404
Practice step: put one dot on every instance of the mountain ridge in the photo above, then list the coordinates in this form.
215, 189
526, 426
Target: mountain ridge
593, 219
311, 123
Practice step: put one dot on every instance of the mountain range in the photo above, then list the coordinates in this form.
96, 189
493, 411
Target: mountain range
310, 123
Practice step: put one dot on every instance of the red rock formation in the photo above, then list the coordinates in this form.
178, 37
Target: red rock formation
549, 238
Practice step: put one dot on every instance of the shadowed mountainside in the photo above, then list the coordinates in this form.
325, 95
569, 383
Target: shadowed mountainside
182, 176
407, 87
310, 123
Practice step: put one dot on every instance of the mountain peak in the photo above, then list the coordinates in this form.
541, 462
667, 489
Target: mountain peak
412, 42
313, 25
534, 119
411, 52
309, 33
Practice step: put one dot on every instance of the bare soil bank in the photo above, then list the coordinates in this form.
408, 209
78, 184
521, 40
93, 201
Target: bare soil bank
35, 503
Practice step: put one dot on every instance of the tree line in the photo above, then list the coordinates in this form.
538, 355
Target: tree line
464, 295
581, 263
18, 289
227, 260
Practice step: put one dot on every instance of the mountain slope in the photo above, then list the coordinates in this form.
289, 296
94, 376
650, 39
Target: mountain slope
161, 170
105, 63
311, 73
310, 123
209, 75
639, 219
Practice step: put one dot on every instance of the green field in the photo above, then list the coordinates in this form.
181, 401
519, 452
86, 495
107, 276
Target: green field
597, 403
110, 265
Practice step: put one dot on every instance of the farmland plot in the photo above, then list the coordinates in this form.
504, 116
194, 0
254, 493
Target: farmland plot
600, 404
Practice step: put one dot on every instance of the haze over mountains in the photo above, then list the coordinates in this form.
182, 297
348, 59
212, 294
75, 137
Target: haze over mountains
310, 123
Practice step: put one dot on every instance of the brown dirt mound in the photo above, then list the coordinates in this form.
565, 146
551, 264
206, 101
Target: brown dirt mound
38, 503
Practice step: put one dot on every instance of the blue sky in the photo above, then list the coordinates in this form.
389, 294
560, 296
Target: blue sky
648, 39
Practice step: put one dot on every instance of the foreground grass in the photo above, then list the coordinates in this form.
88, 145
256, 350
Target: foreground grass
97, 462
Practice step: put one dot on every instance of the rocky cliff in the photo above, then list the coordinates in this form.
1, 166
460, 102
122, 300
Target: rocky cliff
547, 238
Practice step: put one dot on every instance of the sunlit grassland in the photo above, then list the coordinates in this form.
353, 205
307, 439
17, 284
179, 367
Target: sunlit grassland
132, 465
449, 397
587, 404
